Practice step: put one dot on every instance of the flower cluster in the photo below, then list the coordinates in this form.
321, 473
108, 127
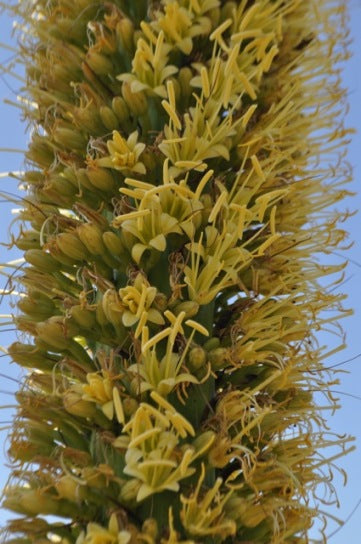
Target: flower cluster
169, 294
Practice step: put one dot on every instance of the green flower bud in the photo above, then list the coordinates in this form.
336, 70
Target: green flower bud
75, 405
184, 79
108, 117
100, 64
91, 236
69, 138
160, 302
113, 243
112, 307
32, 356
41, 260
83, 317
218, 358
39, 310
29, 240
100, 315
204, 441
71, 246
120, 109
55, 333
125, 33
197, 358
69, 489
136, 102
212, 343
190, 308
130, 406
101, 179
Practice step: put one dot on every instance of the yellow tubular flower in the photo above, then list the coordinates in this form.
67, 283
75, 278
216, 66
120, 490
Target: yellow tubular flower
150, 68
124, 154
101, 391
204, 516
163, 376
96, 534
153, 456
136, 302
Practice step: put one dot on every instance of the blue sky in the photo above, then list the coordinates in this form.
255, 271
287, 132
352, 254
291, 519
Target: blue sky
348, 418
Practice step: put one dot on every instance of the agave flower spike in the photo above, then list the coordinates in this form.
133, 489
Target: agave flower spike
182, 182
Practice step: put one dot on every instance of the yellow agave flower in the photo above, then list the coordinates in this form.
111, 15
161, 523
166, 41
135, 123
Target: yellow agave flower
100, 389
179, 26
150, 67
96, 534
124, 155
171, 208
136, 302
162, 376
205, 516
153, 455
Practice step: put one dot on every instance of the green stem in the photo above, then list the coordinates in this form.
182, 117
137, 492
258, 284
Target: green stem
159, 276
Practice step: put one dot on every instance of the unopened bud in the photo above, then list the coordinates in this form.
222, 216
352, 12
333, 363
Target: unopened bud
100, 64
120, 109
41, 260
60, 186
83, 317
30, 502
35, 308
214, 15
68, 488
31, 356
184, 79
136, 102
91, 236
207, 203
149, 160
83, 180
128, 239
212, 343
197, 358
228, 10
54, 333
40, 151
101, 179
218, 358
94, 478
58, 255
190, 307
34, 177
71, 246
29, 239
108, 117
130, 406
203, 442
100, 315
113, 244
75, 405
125, 33
112, 307
69, 138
